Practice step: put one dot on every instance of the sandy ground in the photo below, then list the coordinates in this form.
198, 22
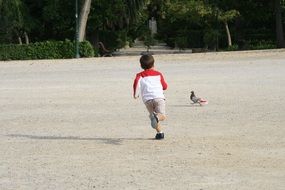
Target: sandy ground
72, 124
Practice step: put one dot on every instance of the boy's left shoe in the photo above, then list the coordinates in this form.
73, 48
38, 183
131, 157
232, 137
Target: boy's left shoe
159, 136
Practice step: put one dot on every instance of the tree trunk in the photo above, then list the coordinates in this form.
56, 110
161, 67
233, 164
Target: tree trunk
83, 19
228, 34
20, 40
26, 38
279, 27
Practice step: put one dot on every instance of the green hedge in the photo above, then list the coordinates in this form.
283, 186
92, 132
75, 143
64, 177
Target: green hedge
261, 44
45, 50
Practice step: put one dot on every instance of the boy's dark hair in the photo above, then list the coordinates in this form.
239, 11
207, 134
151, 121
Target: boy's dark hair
147, 61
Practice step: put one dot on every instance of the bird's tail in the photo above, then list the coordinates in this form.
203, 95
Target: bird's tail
203, 101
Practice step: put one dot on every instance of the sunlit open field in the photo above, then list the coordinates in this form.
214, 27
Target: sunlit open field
73, 124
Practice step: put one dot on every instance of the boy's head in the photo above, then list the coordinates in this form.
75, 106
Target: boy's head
147, 61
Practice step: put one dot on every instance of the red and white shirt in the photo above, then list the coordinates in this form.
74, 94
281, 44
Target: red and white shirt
150, 84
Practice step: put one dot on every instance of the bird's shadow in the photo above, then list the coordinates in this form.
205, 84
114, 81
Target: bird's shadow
112, 141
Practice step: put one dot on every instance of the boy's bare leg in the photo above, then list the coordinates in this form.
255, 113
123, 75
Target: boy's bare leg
160, 117
158, 128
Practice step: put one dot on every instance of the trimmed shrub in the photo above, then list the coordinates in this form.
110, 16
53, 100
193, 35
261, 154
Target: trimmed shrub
45, 50
261, 44
86, 49
234, 47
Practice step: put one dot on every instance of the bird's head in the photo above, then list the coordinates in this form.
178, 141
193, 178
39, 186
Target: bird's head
192, 92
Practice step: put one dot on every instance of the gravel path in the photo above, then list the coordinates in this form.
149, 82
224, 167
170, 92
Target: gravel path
72, 124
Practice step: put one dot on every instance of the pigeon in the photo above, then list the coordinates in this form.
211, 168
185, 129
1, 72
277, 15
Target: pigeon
197, 100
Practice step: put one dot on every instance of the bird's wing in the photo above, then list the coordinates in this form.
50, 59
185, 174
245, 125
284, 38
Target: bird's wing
195, 99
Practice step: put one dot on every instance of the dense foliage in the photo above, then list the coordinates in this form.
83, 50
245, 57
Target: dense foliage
207, 24
44, 50
192, 23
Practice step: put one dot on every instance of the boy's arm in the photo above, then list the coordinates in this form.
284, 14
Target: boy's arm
163, 83
136, 87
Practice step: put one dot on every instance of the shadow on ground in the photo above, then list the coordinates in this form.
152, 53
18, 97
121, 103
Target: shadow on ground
185, 106
113, 141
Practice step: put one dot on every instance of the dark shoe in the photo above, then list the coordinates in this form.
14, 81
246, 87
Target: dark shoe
159, 136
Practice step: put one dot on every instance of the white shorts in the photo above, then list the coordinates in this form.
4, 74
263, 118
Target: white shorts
156, 105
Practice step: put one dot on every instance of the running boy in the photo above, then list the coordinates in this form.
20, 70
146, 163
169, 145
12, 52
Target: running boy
150, 84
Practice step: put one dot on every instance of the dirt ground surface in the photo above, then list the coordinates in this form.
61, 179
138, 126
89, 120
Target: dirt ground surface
73, 124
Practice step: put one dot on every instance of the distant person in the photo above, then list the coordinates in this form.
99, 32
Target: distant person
150, 85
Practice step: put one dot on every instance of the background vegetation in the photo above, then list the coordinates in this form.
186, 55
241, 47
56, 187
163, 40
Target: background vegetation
204, 24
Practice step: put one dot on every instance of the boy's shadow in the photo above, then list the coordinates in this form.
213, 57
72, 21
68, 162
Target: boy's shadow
112, 141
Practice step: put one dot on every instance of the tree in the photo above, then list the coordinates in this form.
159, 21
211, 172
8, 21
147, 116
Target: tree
279, 27
128, 15
85, 10
56, 19
36, 20
226, 17
183, 23
12, 22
